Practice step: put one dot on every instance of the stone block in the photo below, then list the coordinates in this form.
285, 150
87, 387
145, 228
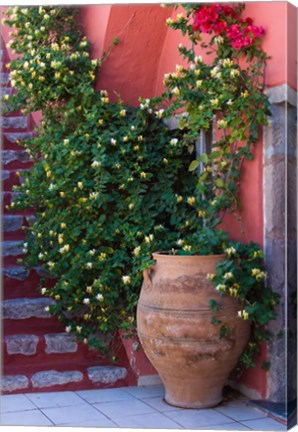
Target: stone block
106, 374
19, 273
26, 308
12, 248
13, 137
18, 122
12, 222
4, 78
10, 383
5, 174
9, 156
22, 344
60, 343
51, 378
274, 186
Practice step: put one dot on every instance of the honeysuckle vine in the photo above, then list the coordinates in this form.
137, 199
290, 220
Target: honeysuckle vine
110, 184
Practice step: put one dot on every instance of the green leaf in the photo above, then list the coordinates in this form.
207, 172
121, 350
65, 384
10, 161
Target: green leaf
194, 165
219, 183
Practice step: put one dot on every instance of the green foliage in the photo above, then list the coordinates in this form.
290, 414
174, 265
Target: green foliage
242, 275
110, 184
223, 92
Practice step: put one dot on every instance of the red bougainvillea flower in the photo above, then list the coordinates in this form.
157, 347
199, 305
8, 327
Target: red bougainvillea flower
205, 17
223, 20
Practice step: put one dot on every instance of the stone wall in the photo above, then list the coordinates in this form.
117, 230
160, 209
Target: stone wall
280, 237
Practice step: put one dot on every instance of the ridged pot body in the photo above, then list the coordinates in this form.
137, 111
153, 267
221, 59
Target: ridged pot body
176, 332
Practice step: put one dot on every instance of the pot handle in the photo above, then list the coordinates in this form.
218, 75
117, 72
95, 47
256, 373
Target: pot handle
147, 274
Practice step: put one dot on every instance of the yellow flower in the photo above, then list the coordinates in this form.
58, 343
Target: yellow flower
137, 250
126, 280
63, 225
191, 200
199, 83
244, 94
100, 122
255, 271
243, 314
227, 62
222, 123
122, 113
80, 185
234, 72
176, 91
201, 213
233, 292
221, 288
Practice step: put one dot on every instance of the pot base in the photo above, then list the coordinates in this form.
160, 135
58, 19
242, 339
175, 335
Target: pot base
192, 405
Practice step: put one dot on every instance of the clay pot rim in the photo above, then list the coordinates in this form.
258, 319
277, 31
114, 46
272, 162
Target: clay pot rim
166, 254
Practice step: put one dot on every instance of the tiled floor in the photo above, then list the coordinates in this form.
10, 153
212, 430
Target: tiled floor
128, 407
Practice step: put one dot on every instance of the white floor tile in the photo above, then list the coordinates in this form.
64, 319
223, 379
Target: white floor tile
160, 405
265, 424
99, 423
151, 421
54, 399
105, 395
145, 392
15, 403
25, 418
194, 419
116, 410
240, 413
73, 414
226, 427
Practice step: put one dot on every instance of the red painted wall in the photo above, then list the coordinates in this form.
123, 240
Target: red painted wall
148, 50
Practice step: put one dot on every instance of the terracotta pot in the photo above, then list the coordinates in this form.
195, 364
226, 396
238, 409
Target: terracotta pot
175, 329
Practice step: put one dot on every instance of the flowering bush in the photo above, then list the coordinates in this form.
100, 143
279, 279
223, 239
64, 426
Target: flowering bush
110, 184
225, 22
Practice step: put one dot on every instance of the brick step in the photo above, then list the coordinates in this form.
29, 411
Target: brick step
11, 251
32, 325
7, 198
9, 122
28, 315
23, 308
15, 159
14, 222
10, 178
4, 78
13, 140
12, 226
21, 283
73, 378
13, 235
44, 350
